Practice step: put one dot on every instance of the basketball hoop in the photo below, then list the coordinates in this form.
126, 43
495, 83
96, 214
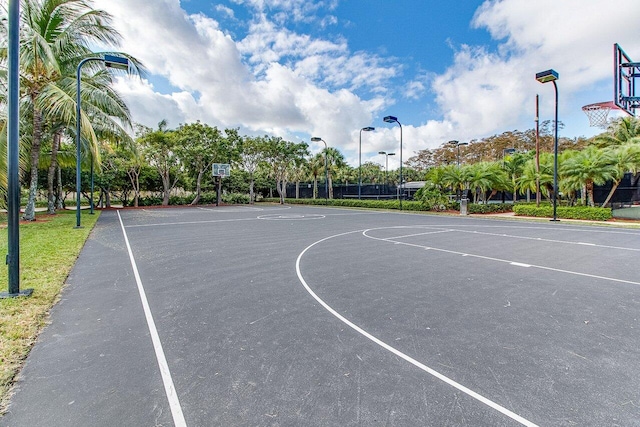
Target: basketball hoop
599, 112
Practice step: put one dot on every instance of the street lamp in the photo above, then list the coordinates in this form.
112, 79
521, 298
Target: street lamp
392, 119
111, 62
326, 175
386, 167
545, 77
458, 144
367, 129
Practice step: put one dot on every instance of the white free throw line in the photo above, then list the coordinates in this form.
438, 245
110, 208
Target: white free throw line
397, 352
169, 388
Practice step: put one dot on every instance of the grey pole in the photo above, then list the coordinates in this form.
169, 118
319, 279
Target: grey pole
13, 142
392, 119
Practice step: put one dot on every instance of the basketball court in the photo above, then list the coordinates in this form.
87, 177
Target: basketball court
290, 316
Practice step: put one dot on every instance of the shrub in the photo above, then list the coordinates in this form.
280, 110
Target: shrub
236, 198
566, 212
476, 208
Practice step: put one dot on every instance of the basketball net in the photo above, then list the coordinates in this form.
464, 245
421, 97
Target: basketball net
598, 113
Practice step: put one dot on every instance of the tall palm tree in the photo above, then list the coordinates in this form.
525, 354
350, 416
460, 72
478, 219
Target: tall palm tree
581, 170
513, 165
55, 36
485, 176
335, 161
530, 176
626, 158
622, 131
315, 166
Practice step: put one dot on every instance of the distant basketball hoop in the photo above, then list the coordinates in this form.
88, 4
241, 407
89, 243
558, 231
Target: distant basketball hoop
598, 113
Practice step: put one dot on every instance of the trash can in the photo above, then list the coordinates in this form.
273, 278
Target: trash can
463, 206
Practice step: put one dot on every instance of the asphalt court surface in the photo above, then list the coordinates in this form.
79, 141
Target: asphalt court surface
312, 316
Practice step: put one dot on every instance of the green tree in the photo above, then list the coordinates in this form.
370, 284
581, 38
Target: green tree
335, 161
54, 36
251, 154
529, 176
281, 155
198, 146
581, 170
315, 166
623, 131
159, 150
486, 176
625, 158
513, 165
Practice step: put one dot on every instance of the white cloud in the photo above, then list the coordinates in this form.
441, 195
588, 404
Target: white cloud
279, 81
216, 85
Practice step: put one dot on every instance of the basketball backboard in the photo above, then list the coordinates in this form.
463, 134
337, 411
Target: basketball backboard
626, 74
221, 169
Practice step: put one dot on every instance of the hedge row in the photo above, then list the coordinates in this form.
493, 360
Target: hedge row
566, 212
205, 199
407, 205
475, 208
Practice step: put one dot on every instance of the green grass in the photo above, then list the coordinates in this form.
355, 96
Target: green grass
49, 247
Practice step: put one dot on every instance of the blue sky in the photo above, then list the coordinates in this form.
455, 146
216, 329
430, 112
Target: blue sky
299, 68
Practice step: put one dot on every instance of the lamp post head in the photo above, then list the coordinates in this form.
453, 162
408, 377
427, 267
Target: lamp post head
391, 154
463, 143
453, 142
117, 62
316, 139
382, 152
368, 129
547, 76
390, 119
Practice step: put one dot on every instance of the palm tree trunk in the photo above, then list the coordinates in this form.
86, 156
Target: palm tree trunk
315, 186
610, 195
59, 199
51, 202
30, 210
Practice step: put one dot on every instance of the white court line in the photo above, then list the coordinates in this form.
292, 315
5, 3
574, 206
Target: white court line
169, 388
541, 267
418, 234
398, 353
548, 240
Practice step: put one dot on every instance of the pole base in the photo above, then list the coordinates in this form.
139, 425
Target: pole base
554, 220
22, 293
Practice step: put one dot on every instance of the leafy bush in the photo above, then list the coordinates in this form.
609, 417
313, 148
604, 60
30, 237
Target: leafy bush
566, 212
476, 208
236, 198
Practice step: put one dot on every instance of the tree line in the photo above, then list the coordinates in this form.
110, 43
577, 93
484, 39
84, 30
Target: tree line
128, 160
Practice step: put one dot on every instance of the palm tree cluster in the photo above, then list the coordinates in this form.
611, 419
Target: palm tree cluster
54, 36
605, 158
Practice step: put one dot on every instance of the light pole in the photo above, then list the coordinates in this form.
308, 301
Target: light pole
326, 174
13, 144
545, 77
367, 129
111, 62
386, 166
392, 119
458, 144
